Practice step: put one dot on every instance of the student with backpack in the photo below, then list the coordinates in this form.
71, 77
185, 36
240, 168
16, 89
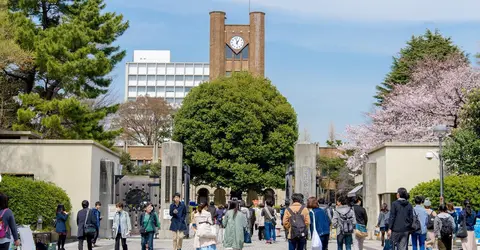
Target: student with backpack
297, 221
443, 228
344, 221
8, 227
419, 213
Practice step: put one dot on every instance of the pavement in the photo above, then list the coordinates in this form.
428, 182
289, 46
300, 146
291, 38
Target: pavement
162, 244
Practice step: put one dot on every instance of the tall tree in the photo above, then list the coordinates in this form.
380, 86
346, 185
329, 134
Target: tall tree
430, 45
145, 121
435, 95
237, 132
72, 45
66, 118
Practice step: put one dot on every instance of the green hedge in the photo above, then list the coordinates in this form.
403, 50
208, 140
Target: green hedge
30, 198
456, 189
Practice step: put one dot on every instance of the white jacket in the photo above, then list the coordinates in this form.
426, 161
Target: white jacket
122, 219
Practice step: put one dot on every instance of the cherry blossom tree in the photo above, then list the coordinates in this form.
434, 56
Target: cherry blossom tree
434, 95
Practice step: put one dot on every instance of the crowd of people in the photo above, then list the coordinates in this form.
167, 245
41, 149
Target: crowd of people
234, 224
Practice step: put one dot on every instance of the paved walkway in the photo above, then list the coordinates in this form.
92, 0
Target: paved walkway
134, 244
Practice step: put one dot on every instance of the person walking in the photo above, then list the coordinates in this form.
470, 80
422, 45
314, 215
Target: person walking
322, 221
430, 221
344, 221
178, 212
9, 225
269, 218
219, 222
121, 227
261, 223
235, 224
253, 219
61, 219
296, 221
361, 219
148, 221
382, 221
468, 219
400, 221
443, 228
85, 220
212, 209
203, 215
419, 237
97, 214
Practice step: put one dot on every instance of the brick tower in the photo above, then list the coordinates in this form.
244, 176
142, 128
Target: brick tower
237, 47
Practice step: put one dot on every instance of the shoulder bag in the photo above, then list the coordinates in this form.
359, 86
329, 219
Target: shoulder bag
462, 232
205, 229
274, 220
316, 242
143, 229
88, 228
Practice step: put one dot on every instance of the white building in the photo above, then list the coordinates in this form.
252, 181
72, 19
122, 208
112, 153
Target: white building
151, 73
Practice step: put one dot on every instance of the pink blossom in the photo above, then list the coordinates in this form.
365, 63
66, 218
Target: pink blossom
434, 96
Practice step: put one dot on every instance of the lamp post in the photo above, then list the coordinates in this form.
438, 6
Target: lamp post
440, 131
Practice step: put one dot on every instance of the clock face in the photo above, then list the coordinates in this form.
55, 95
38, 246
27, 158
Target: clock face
237, 42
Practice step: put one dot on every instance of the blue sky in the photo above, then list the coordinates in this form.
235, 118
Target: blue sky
326, 57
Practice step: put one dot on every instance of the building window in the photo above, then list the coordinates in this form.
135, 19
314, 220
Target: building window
228, 52
170, 89
228, 73
131, 99
170, 100
244, 52
187, 89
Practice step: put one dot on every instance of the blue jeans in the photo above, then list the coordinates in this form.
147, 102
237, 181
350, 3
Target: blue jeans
297, 244
270, 231
420, 239
147, 238
344, 239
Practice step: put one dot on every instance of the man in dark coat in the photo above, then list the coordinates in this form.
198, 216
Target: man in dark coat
400, 221
178, 211
85, 217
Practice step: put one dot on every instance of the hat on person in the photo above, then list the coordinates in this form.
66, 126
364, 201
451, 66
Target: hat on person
427, 202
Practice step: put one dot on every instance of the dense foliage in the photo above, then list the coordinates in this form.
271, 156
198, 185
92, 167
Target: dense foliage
237, 132
30, 198
462, 150
429, 45
456, 190
64, 119
129, 168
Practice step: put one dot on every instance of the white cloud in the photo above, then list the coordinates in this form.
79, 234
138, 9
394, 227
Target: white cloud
374, 10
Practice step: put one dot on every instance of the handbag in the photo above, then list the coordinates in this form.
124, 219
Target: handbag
246, 236
89, 228
361, 231
316, 242
462, 233
274, 220
205, 229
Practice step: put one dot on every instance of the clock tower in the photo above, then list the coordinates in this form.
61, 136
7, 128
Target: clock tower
237, 47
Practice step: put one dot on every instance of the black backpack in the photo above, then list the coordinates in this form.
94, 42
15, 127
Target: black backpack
416, 226
447, 228
346, 223
298, 228
430, 221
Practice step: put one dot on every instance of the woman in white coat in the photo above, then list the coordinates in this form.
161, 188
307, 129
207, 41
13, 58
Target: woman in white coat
121, 227
203, 216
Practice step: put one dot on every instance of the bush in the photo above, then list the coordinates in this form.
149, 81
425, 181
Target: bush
456, 190
30, 198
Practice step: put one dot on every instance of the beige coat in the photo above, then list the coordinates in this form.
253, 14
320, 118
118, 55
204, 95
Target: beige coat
202, 242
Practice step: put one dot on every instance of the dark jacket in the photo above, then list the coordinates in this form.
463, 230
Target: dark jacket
9, 221
212, 210
322, 221
178, 220
82, 217
401, 216
360, 215
97, 215
470, 222
253, 217
61, 223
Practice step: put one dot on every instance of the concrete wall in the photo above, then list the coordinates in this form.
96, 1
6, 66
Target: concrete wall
305, 169
71, 165
395, 165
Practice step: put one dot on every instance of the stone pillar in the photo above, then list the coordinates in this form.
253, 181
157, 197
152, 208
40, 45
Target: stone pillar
305, 168
256, 57
217, 44
171, 182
